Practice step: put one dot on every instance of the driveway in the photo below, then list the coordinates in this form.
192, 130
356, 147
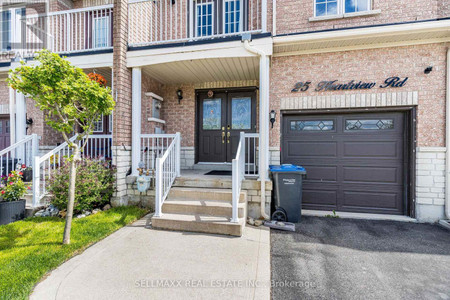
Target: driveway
138, 262
328, 258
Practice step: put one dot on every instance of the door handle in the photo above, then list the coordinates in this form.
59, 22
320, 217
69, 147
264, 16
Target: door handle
228, 137
223, 137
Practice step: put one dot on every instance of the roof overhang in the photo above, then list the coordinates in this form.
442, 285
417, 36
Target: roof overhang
378, 36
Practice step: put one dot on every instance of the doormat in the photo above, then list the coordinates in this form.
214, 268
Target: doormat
219, 172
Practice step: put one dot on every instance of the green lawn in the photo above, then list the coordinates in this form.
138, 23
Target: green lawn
32, 247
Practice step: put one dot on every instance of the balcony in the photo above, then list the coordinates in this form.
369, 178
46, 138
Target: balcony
68, 31
170, 21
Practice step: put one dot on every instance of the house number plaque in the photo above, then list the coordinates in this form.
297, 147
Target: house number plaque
335, 85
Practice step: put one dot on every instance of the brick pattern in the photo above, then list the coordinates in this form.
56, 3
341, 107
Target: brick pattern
351, 101
430, 168
122, 76
122, 161
374, 65
293, 15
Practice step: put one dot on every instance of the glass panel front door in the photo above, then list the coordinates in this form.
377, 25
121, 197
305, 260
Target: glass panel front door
221, 118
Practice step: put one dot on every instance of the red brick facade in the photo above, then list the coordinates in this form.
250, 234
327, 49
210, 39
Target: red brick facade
371, 65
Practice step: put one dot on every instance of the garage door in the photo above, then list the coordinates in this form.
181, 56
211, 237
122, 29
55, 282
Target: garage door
354, 162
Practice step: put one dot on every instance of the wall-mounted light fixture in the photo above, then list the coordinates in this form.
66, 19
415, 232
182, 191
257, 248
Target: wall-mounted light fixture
428, 70
29, 121
273, 114
180, 95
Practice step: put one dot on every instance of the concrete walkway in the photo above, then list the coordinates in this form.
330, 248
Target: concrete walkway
138, 262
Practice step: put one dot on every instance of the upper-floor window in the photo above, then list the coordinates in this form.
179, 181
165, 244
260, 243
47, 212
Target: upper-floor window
10, 27
204, 23
101, 32
232, 20
335, 7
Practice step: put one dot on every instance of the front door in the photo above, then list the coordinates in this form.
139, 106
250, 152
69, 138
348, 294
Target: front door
221, 117
4, 133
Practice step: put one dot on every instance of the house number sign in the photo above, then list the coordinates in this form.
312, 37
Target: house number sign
335, 85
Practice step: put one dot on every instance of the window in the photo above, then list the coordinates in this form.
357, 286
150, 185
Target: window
204, 20
340, 7
98, 125
241, 113
376, 124
212, 114
10, 27
232, 16
101, 32
313, 125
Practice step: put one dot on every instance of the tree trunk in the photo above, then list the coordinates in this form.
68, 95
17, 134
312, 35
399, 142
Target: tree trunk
72, 179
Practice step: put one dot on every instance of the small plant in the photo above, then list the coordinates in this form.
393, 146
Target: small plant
12, 188
333, 215
93, 188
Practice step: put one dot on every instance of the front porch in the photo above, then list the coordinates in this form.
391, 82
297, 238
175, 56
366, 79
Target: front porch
197, 110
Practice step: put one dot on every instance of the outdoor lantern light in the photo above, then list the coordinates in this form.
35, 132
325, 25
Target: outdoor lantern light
180, 95
428, 70
272, 116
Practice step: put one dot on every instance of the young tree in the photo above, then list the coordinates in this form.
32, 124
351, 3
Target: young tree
69, 100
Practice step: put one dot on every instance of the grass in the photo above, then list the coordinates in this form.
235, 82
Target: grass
32, 247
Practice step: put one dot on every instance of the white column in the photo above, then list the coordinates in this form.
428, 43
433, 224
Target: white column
12, 115
21, 124
264, 15
21, 117
136, 118
264, 66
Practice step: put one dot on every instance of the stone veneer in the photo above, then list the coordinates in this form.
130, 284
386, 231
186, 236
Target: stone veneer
430, 183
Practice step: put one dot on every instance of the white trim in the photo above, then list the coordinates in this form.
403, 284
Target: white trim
154, 96
366, 13
136, 83
63, 12
151, 119
431, 149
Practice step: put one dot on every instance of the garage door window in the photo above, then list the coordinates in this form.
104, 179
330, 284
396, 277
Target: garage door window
375, 124
312, 125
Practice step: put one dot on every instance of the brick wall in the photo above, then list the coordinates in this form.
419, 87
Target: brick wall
149, 85
370, 65
430, 184
293, 15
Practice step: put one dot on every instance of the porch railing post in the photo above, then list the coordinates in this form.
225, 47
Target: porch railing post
191, 19
35, 145
158, 188
36, 181
178, 154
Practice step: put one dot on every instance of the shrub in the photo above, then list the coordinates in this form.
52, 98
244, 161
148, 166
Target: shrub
12, 187
93, 187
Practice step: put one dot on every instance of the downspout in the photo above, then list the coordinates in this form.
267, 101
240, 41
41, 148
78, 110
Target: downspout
264, 130
447, 140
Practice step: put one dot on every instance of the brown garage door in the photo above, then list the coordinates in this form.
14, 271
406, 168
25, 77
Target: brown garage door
354, 162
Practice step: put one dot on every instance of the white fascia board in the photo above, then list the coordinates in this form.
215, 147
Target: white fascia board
92, 60
138, 58
376, 31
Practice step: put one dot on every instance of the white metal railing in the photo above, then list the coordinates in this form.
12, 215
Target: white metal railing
165, 21
97, 147
154, 146
167, 169
20, 153
238, 173
69, 30
251, 154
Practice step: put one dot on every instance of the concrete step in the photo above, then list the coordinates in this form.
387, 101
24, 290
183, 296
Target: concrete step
215, 182
212, 166
187, 193
203, 207
199, 223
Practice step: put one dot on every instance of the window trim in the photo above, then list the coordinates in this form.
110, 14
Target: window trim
341, 11
212, 18
333, 120
241, 11
102, 122
15, 27
94, 30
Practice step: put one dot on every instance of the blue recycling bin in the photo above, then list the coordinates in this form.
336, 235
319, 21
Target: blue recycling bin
287, 182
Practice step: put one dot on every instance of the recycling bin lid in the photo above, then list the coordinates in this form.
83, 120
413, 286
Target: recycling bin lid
287, 168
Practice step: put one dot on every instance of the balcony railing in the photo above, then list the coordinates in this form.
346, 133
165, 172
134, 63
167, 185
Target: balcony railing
69, 31
165, 21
